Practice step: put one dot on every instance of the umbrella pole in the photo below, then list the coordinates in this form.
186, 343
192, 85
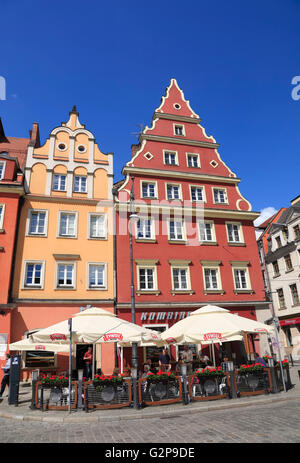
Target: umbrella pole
93, 366
213, 352
121, 360
70, 363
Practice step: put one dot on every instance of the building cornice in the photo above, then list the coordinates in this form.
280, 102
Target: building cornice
63, 301
64, 199
16, 189
187, 305
178, 141
179, 174
175, 117
186, 210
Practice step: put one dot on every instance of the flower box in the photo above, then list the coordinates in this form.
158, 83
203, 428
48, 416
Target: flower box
252, 379
208, 384
106, 392
160, 389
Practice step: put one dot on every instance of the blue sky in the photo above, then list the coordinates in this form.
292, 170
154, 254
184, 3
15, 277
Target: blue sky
234, 60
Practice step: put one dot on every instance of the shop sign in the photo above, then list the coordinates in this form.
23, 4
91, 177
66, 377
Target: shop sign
293, 321
159, 316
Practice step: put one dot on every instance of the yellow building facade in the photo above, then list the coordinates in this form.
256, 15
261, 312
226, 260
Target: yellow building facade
64, 254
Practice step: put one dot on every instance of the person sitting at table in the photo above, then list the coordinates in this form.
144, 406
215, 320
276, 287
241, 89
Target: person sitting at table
164, 361
187, 357
259, 359
204, 360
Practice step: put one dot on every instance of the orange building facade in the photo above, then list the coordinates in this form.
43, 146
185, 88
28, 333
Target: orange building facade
64, 253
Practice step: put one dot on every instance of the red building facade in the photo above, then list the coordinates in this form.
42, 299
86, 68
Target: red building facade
12, 189
194, 243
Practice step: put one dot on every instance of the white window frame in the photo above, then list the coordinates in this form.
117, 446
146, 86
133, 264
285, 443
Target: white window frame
243, 267
145, 266
59, 183
240, 232
80, 177
182, 127
96, 214
2, 213
187, 276
202, 187
2, 163
197, 155
225, 195
212, 265
291, 293
60, 213
183, 231
171, 152
149, 183
152, 229
212, 230
96, 288
74, 275
179, 191
27, 262
29, 216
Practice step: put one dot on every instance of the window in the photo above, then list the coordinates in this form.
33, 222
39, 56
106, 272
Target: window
234, 233
193, 160
144, 229
296, 231
148, 190
211, 278
37, 222
240, 279
278, 242
59, 182
176, 230
97, 226
96, 276
220, 196
180, 278
281, 300
67, 224
2, 209
80, 184
173, 192
206, 231
2, 169
65, 275
170, 158
33, 277
294, 293
288, 263
146, 278
197, 193
179, 130
275, 268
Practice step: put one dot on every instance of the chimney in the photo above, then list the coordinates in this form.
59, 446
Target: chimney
35, 135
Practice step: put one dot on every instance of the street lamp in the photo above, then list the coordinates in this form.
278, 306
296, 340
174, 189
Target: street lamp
134, 349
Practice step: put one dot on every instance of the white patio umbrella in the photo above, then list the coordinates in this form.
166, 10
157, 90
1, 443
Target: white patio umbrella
26, 344
211, 324
93, 326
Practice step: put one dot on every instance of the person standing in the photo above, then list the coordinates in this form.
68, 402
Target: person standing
187, 357
5, 380
164, 361
88, 360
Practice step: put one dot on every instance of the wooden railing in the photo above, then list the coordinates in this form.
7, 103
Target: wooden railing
55, 398
208, 387
105, 397
160, 393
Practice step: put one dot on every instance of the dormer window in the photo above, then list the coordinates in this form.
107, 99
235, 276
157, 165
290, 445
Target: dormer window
2, 169
278, 241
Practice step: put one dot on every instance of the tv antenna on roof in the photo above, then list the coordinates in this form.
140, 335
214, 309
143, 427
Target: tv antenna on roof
137, 134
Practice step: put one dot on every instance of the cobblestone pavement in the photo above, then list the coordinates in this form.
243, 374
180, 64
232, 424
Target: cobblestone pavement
277, 423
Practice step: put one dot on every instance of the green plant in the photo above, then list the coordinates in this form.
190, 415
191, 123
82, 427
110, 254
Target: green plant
100, 381
253, 368
55, 381
160, 377
206, 372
